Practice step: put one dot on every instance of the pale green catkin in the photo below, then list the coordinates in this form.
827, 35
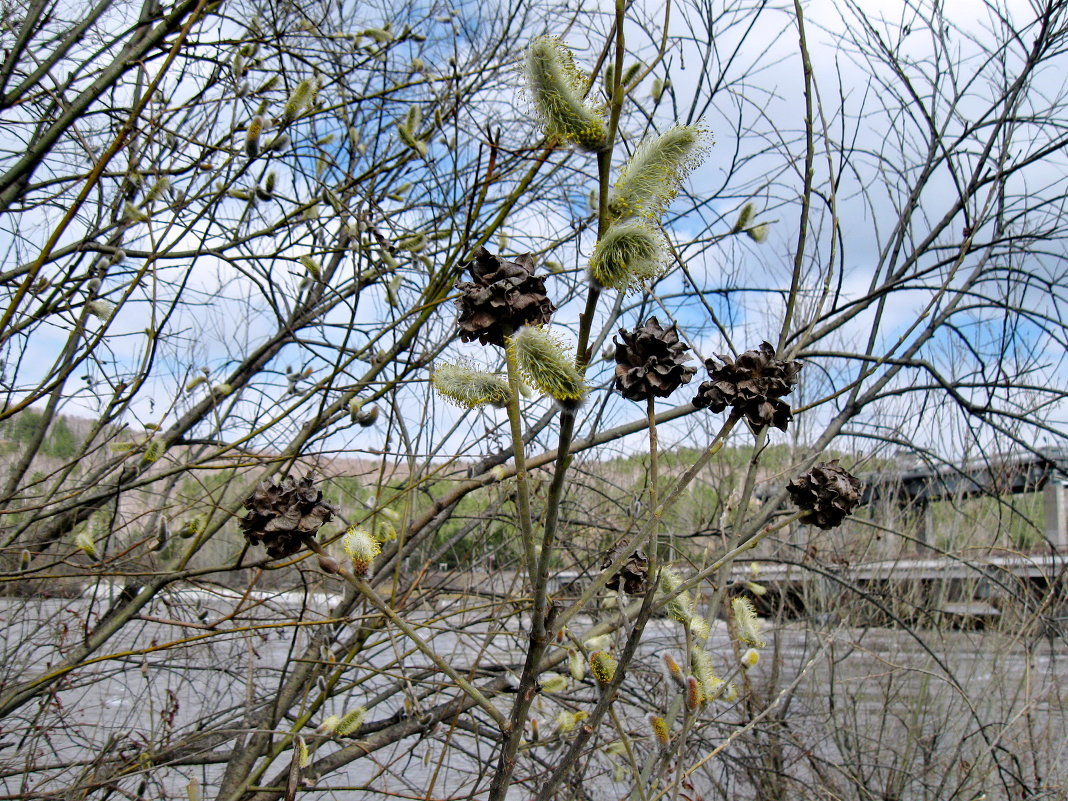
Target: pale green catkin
745, 216
469, 388
544, 363
747, 624
758, 233
351, 721
298, 100
252, 137
629, 253
557, 87
653, 175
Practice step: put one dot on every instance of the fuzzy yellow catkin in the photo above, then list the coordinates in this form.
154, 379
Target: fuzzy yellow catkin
680, 607
311, 265
629, 253
660, 730
699, 628
329, 725
303, 754
351, 721
298, 100
694, 694
252, 137
155, 450
654, 172
362, 548
469, 388
750, 658
557, 88
544, 363
674, 670
701, 662
603, 667
747, 624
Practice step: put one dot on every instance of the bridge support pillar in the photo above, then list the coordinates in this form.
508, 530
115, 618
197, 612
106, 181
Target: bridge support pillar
1056, 503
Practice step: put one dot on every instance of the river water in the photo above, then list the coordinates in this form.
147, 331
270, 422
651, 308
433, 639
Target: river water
854, 713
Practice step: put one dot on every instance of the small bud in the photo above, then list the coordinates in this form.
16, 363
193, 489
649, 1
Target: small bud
660, 730
576, 664
351, 722
750, 658
469, 388
746, 622
303, 754
603, 667
24, 560
552, 683
362, 548
329, 565
543, 362
535, 735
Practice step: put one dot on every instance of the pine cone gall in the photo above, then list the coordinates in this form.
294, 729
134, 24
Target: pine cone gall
826, 494
633, 576
651, 361
281, 516
754, 384
502, 297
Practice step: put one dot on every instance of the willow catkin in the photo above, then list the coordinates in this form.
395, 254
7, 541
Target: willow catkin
655, 171
747, 625
629, 253
544, 363
557, 88
469, 388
